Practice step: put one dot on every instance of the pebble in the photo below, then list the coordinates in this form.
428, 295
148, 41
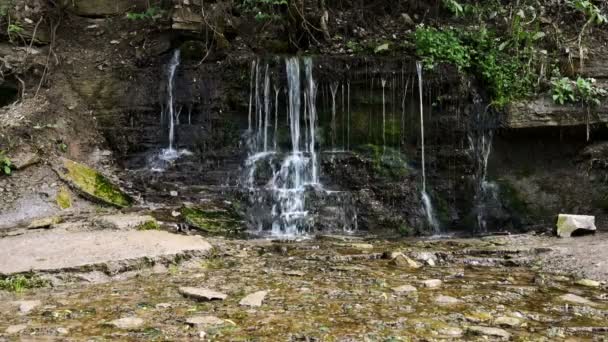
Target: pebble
63, 331
572, 298
451, 332
26, 306
204, 321
487, 331
446, 300
404, 289
588, 283
15, 329
505, 321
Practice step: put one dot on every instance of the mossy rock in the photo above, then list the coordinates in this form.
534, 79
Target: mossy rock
213, 220
92, 184
64, 198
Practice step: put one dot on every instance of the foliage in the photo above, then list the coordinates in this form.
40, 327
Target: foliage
149, 225
14, 28
591, 11
583, 90
441, 46
5, 164
264, 9
151, 13
19, 283
454, 6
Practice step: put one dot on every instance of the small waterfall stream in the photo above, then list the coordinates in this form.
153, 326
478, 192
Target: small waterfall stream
426, 199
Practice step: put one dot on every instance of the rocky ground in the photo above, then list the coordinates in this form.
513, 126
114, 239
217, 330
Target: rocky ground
329, 288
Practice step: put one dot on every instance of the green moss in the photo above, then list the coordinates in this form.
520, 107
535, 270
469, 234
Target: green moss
94, 184
19, 283
150, 225
215, 221
64, 199
386, 161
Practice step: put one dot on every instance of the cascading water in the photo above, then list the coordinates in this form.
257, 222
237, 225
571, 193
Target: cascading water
480, 136
334, 90
384, 119
426, 200
170, 154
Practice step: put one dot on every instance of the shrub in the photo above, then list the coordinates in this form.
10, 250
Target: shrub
583, 90
5, 164
436, 46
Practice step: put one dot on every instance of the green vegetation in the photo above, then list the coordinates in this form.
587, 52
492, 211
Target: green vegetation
386, 162
5, 164
214, 221
19, 283
150, 225
594, 16
583, 90
264, 9
94, 184
64, 199
506, 66
454, 6
152, 13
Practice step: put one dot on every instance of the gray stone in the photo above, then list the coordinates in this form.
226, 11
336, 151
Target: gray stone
487, 331
451, 332
15, 329
204, 321
505, 321
572, 298
26, 306
47, 250
404, 261
407, 20
124, 221
446, 300
588, 283
567, 224
254, 300
404, 289
127, 323
432, 283
200, 293
63, 331
25, 159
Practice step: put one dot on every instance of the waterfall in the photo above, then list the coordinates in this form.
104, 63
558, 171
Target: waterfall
251, 79
160, 162
334, 90
348, 118
312, 116
277, 89
480, 137
384, 120
426, 200
266, 107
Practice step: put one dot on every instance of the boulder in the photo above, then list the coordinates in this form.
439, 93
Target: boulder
588, 283
92, 184
432, 283
24, 159
404, 289
505, 321
404, 261
568, 224
446, 300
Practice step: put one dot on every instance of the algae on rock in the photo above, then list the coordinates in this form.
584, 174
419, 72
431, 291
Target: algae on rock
92, 184
213, 220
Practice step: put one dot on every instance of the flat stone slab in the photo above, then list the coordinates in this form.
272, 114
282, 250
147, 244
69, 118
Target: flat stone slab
52, 250
201, 293
254, 300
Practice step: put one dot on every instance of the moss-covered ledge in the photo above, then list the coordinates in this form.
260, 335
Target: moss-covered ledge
91, 184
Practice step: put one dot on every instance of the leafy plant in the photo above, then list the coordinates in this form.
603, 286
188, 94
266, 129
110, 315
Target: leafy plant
19, 283
264, 9
5, 164
454, 6
563, 91
594, 16
441, 46
151, 13
14, 28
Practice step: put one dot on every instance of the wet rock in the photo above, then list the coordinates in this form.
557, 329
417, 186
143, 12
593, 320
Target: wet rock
25, 159
15, 329
452, 332
45, 222
92, 184
125, 221
426, 257
432, 283
404, 261
568, 224
204, 321
487, 331
446, 300
404, 289
201, 294
127, 323
588, 283
254, 300
26, 306
572, 298
505, 321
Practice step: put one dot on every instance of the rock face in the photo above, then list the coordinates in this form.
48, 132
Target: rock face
544, 112
201, 294
99, 8
254, 300
568, 224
